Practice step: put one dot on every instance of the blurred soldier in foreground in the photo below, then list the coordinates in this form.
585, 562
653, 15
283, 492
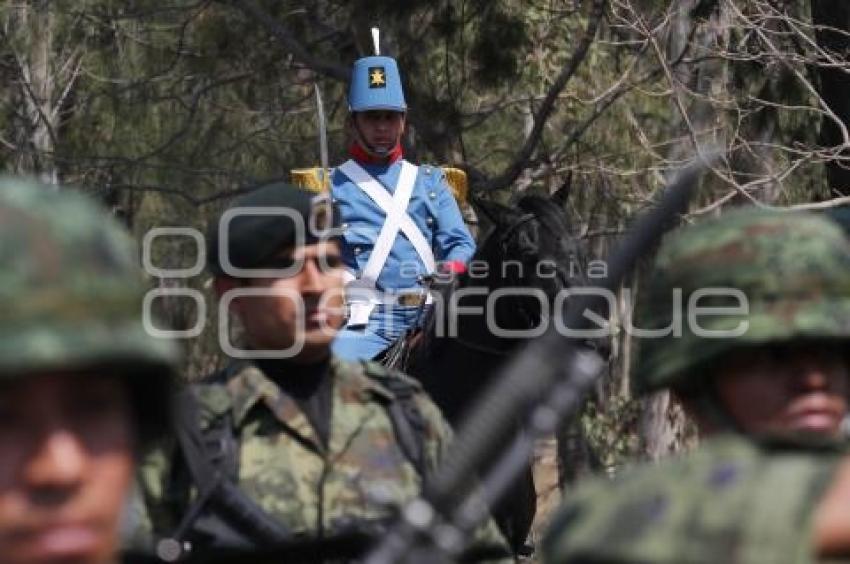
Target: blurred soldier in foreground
776, 359
82, 386
289, 443
770, 365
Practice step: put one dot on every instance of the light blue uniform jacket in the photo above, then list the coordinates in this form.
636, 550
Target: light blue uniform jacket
435, 212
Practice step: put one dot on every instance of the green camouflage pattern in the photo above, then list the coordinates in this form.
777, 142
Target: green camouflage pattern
732, 501
70, 285
285, 468
793, 268
840, 215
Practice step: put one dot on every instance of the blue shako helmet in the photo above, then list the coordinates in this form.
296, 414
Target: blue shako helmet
375, 85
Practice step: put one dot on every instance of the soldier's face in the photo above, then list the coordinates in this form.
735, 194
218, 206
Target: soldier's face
66, 463
380, 129
785, 388
302, 312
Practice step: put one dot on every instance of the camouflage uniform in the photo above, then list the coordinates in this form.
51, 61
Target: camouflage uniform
285, 467
353, 484
732, 500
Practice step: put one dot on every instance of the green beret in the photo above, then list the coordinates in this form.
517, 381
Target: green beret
259, 224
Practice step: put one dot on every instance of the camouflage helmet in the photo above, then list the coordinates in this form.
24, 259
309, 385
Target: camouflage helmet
782, 276
72, 292
840, 215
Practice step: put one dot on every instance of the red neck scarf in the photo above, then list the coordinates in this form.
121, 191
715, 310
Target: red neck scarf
359, 154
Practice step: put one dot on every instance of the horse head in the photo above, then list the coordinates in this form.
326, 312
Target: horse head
529, 256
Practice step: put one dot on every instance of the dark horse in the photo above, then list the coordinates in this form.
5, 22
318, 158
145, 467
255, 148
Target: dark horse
529, 249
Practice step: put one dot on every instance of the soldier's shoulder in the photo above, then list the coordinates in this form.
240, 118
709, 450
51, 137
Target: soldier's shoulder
431, 170
698, 508
381, 373
372, 382
385, 382
432, 175
214, 393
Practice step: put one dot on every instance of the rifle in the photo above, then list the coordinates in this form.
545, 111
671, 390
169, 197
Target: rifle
544, 383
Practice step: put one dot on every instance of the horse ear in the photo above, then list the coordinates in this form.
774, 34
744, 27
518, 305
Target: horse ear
494, 211
562, 194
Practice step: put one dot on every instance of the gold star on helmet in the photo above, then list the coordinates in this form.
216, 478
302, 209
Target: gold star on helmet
376, 78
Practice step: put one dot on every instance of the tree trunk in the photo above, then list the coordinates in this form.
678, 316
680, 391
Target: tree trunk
38, 86
834, 86
656, 427
660, 426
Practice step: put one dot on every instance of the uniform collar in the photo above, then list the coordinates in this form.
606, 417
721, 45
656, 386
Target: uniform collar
249, 386
360, 155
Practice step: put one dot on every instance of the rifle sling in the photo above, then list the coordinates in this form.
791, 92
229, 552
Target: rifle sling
214, 487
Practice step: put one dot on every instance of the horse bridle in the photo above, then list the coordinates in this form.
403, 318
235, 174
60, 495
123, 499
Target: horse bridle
525, 218
502, 242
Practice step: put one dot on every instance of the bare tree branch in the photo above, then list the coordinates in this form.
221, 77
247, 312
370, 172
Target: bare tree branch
510, 175
255, 12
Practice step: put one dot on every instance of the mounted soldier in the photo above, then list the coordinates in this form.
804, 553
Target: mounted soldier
288, 443
400, 220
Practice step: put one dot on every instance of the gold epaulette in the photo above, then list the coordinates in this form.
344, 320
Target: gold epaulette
458, 183
312, 179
